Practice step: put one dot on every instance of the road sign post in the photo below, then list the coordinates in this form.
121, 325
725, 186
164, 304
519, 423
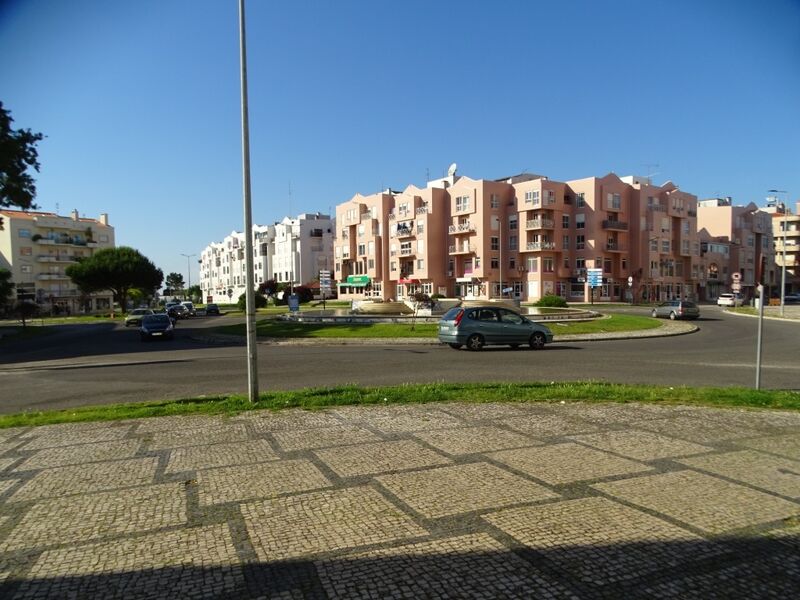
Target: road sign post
595, 279
324, 285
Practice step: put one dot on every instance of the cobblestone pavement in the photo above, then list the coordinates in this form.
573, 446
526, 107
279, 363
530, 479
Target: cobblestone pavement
426, 501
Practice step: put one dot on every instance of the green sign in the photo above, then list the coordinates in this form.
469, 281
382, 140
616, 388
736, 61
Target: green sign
358, 279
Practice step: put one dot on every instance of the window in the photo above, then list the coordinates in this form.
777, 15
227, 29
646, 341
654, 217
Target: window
26, 269
371, 263
547, 265
362, 249
580, 264
580, 242
512, 242
614, 201
654, 245
665, 246
421, 263
532, 196
494, 201
420, 226
393, 266
371, 248
533, 265
24, 233
580, 200
685, 226
512, 222
606, 265
103, 238
462, 203
512, 262
25, 251
477, 262
624, 264
565, 221
495, 243
360, 230
495, 263
403, 209
580, 221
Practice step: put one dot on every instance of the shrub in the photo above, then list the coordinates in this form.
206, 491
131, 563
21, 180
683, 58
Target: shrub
260, 301
550, 300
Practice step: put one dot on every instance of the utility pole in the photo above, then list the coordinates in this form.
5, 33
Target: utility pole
783, 269
188, 270
252, 351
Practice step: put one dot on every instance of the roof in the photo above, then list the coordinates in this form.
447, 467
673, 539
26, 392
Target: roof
32, 214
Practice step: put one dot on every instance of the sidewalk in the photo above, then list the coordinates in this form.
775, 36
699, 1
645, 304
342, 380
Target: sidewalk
406, 501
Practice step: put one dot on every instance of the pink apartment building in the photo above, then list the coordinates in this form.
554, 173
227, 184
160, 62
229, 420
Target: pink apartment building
746, 231
522, 237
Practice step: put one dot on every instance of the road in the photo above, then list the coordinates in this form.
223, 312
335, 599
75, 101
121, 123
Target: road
105, 363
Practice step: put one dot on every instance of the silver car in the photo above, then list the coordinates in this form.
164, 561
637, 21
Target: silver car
676, 309
481, 326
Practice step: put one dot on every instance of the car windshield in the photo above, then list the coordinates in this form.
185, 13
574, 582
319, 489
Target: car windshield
155, 319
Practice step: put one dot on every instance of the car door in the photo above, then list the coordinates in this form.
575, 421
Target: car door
514, 328
488, 325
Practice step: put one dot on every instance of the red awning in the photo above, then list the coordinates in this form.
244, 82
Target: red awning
408, 281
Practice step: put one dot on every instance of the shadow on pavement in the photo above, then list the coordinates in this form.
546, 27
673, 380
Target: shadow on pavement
738, 568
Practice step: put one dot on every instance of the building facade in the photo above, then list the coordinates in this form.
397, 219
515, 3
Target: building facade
747, 233
786, 235
290, 251
523, 237
37, 247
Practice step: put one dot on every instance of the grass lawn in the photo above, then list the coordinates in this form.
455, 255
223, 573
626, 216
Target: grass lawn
314, 398
284, 329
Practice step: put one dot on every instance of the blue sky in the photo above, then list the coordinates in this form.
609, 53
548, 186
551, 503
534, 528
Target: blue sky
140, 101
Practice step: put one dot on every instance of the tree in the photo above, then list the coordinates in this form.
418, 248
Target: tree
6, 288
17, 154
174, 283
268, 287
194, 292
26, 310
116, 269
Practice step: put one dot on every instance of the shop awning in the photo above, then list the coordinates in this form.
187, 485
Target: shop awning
408, 281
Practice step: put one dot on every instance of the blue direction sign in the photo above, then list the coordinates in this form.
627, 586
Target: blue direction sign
594, 277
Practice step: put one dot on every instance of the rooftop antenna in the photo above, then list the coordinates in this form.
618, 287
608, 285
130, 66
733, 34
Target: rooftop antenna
650, 167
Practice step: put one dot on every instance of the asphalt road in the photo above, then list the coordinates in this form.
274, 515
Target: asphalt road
104, 363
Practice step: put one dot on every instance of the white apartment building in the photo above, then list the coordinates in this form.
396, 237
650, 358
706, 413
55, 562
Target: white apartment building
293, 250
37, 247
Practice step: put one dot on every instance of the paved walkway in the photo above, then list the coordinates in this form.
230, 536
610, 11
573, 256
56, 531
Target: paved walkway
398, 501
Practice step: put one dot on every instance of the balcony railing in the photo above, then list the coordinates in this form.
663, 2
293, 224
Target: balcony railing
59, 258
615, 247
618, 225
50, 276
403, 232
461, 228
365, 215
406, 252
540, 224
540, 246
656, 207
421, 210
461, 249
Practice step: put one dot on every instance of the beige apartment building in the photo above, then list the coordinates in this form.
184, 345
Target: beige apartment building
37, 247
527, 236
737, 245
786, 236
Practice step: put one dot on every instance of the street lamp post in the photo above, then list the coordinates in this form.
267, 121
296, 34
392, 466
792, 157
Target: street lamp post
188, 270
783, 269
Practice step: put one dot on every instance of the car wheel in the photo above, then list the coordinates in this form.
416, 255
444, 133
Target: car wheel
537, 341
475, 342
654, 314
455, 346
672, 316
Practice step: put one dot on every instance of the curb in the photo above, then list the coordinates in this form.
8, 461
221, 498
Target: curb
668, 329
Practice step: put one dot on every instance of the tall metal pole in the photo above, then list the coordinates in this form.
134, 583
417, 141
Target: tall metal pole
760, 334
188, 269
252, 352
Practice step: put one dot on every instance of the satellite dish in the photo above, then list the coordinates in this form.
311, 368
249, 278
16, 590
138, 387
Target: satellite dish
452, 170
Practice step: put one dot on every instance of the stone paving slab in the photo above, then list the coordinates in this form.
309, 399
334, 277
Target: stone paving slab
496, 500
702, 501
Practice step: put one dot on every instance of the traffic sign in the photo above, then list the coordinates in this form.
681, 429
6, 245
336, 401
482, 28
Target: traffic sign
630, 281
594, 277
736, 276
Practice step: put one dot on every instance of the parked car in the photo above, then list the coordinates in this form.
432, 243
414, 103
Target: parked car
135, 316
156, 326
729, 300
677, 309
791, 299
190, 311
481, 326
212, 309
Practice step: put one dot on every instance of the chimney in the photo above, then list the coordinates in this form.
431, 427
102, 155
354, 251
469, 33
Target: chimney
104, 218
74, 214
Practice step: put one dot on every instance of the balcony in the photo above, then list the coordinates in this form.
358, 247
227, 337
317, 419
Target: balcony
656, 208
461, 228
406, 251
51, 276
540, 224
691, 213
421, 210
365, 216
615, 247
461, 249
536, 246
403, 232
615, 225
48, 258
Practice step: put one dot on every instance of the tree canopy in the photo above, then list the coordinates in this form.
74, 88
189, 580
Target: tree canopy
174, 282
17, 154
6, 287
116, 269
